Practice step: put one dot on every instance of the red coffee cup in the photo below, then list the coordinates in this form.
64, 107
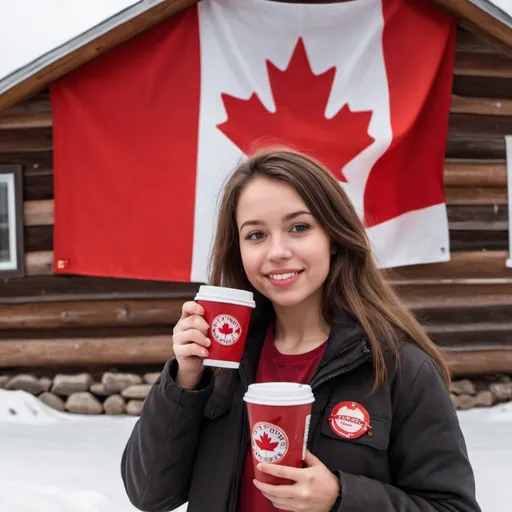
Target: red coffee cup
228, 312
279, 416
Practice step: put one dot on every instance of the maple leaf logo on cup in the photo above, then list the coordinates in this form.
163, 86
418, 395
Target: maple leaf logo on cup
269, 443
226, 329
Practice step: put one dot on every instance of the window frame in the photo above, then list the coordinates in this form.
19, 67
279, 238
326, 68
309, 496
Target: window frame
12, 175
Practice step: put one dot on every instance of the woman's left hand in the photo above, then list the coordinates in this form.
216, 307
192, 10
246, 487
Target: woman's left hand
315, 488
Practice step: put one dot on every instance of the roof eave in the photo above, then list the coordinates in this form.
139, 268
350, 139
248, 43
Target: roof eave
482, 18
128, 23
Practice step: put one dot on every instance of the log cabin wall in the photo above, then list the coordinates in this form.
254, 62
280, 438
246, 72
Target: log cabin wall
466, 304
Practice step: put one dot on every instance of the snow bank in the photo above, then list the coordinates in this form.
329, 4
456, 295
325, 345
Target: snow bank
58, 462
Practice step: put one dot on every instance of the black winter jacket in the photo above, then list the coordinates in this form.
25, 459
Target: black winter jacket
190, 445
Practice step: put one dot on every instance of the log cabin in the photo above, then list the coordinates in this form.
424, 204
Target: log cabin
62, 323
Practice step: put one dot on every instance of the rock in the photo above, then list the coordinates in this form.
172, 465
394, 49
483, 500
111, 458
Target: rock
138, 391
46, 383
481, 384
504, 378
463, 402
66, 385
98, 389
485, 399
26, 383
463, 387
52, 400
114, 405
116, 382
151, 378
83, 403
502, 390
134, 407
4, 379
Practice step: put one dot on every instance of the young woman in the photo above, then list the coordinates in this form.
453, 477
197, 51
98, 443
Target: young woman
325, 316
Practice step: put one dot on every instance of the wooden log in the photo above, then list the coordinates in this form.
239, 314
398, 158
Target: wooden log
465, 240
489, 65
38, 186
481, 106
58, 315
32, 163
39, 103
479, 362
483, 126
488, 22
35, 120
146, 350
34, 112
38, 213
478, 147
482, 86
479, 316
38, 238
476, 195
478, 217
85, 351
439, 316
38, 263
467, 42
84, 288
462, 267
26, 141
475, 173
435, 294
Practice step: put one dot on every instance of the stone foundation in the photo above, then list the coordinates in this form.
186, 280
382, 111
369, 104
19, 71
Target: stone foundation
114, 393
118, 393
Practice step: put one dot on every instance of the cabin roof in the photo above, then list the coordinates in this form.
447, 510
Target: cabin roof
41, 48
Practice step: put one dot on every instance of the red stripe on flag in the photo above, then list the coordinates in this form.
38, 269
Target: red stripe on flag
125, 153
419, 51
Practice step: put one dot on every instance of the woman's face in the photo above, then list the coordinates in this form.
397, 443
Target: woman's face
285, 252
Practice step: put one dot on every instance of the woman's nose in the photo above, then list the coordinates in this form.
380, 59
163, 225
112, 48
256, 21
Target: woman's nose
279, 250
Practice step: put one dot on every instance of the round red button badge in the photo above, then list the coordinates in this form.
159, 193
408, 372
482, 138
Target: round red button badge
349, 420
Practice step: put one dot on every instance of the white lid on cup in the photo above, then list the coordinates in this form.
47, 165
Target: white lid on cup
279, 393
227, 295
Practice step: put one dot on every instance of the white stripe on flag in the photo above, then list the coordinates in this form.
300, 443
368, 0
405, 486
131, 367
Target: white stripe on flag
237, 38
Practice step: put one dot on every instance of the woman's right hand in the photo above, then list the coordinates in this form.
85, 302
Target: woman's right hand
190, 342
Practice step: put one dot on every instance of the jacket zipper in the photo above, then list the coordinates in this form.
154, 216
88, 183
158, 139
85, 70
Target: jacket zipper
245, 443
348, 348
342, 371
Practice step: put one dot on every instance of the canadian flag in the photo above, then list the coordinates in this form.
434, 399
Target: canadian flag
145, 136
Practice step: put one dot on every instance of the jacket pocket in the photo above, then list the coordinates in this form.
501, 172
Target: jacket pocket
377, 437
366, 455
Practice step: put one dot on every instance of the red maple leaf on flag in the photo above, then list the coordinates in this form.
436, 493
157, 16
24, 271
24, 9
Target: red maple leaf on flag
300, 98
225, 329
265, 443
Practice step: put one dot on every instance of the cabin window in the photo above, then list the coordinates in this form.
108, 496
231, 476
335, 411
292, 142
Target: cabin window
11, 221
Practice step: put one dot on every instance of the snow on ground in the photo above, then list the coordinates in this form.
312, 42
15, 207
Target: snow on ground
55, 462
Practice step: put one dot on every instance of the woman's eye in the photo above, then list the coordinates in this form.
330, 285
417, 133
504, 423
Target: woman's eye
255, 235
300, 228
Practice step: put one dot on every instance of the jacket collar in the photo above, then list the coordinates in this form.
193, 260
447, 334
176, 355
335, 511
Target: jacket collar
347, 344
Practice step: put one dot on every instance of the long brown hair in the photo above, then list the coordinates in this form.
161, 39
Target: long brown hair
354, 282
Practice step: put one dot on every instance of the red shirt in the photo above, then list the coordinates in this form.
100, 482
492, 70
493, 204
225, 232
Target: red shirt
275, 367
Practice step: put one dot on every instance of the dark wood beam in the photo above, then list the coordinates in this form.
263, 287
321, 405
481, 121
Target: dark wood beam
471, 15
